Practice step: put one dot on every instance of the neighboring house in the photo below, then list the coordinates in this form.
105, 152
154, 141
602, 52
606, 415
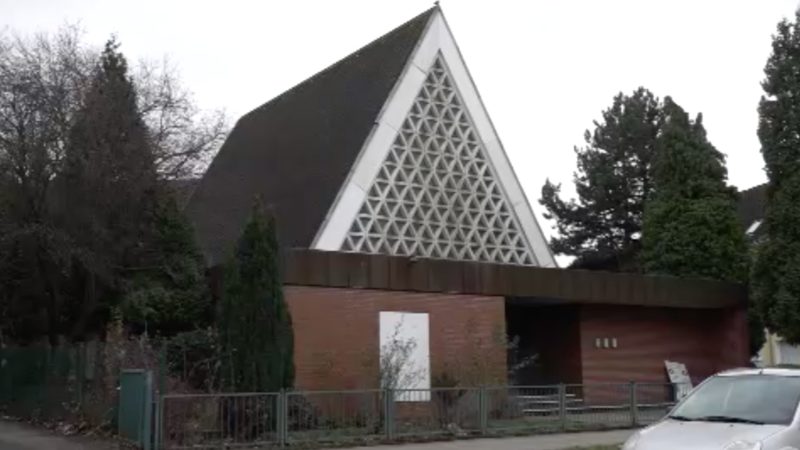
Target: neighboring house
775, 352
751, 207
402, 219
752, 204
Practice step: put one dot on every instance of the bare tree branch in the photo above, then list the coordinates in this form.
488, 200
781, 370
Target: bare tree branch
184, 137
42, 79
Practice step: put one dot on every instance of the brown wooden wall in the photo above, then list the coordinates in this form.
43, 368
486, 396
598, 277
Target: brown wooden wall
707, 341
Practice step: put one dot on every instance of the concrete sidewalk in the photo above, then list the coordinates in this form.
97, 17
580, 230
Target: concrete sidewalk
21, 436
543, 442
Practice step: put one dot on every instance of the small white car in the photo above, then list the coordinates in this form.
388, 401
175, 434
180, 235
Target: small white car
743, 409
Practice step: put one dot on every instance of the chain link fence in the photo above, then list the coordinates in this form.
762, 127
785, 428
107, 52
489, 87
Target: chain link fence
362, 417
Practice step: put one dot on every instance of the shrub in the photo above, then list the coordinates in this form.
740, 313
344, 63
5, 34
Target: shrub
193, 356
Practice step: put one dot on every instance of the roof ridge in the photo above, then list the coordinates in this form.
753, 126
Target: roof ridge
340, 61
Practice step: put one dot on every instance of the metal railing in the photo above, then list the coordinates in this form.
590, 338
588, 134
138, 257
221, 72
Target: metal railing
357, 417
199, 421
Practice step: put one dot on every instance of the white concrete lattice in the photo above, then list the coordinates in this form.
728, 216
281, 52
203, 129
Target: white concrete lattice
436, 195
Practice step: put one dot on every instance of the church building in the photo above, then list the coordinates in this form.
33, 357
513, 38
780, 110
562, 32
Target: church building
403, 220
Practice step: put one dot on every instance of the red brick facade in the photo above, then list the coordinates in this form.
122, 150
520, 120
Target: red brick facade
337, 344
337, 338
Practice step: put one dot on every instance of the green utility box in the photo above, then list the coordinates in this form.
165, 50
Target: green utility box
136, 407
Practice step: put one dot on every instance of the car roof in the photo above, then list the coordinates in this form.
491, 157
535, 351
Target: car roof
793, 371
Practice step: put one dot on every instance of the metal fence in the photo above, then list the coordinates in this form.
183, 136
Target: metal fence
332, 418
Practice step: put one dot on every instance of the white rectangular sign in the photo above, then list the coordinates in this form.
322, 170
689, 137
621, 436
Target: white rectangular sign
679, 375
405, 354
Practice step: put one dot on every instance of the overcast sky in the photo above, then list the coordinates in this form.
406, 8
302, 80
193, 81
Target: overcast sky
545, 69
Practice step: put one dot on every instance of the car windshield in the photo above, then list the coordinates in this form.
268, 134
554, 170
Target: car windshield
758, 399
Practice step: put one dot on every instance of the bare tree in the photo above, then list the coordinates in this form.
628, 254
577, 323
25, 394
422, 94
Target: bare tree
42, 78
44, 82
184, 137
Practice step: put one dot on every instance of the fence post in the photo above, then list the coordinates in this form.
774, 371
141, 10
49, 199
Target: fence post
282, 418
388, 413
483, 410
562, 406
80, 371
160, 393
159, 421
634, 405
162, 371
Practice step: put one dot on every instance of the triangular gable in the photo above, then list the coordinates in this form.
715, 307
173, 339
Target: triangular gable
432, 179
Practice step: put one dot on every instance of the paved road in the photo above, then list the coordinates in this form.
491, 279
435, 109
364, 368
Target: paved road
546, 442
18, 436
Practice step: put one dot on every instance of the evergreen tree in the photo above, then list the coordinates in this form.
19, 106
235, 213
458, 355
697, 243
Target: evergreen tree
256, 328
612, 183
110, 175
170, 296
108, 189
776, 271
690, 224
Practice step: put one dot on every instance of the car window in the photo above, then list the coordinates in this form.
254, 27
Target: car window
765, 399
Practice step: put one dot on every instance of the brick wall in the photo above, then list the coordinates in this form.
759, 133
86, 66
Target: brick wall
706, 340
336, 334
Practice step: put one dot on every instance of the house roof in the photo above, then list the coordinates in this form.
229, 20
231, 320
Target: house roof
182, 189
751, 206
313, 133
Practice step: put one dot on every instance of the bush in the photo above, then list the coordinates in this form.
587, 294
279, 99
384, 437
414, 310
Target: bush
303, 415
193, 356
447, 399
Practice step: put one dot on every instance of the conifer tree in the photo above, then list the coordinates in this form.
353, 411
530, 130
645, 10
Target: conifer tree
776, 271
170, 295
602, 228
256, 327
690, 223
108, 190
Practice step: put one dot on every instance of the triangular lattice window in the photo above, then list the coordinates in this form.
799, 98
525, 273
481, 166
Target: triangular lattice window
436, 195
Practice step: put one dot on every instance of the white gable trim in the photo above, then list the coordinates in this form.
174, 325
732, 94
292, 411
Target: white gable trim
437, 39
753, 227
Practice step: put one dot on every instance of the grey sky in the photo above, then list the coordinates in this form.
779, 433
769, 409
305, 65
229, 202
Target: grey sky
545, 69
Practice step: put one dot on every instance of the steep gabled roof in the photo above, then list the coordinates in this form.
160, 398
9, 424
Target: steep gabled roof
295, 151
390, 151
182, 189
